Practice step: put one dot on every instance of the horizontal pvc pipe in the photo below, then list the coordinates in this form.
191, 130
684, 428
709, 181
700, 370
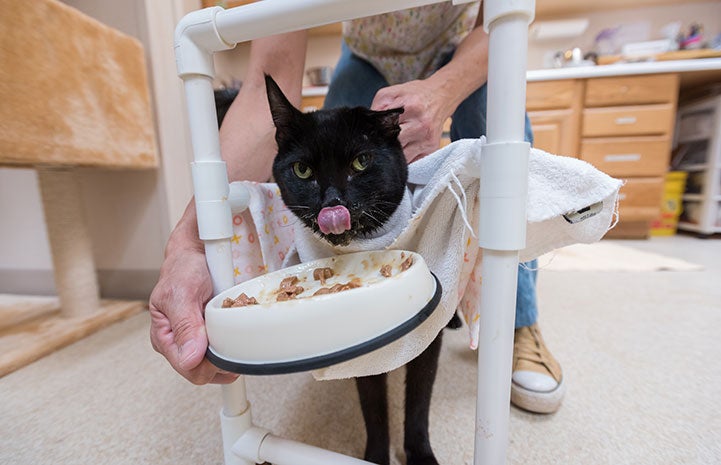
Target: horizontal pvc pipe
279, 451
271, 17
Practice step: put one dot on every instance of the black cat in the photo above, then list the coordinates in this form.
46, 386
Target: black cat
342, 172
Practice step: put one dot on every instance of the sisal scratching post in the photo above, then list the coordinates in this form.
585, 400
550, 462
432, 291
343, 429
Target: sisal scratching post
73, 265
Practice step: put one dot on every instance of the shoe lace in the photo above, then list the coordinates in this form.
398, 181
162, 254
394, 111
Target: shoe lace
528, 345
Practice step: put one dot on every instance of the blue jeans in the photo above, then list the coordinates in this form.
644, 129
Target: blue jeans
355, 83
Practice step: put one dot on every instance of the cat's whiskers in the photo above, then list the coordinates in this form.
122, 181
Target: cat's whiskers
369, 215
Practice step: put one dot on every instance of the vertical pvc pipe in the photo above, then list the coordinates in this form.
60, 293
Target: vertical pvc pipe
210, 181
202, 116
211, 188
495, 353
502, 207
235, 400
507, 62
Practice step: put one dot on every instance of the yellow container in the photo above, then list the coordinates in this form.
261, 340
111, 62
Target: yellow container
667, 222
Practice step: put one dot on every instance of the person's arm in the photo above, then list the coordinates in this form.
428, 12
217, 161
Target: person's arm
429, 102
247, 134
247, 144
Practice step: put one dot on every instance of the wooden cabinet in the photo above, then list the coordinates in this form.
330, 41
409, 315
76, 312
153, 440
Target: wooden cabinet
626, 131
553, 108
554, 131
622, 125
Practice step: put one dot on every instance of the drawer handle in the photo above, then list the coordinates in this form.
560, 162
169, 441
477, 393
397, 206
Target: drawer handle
623, 120
620, 157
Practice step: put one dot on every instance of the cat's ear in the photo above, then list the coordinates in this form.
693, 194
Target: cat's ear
283, 112
390, 121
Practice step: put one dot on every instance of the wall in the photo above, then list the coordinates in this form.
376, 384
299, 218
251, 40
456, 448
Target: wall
646, 23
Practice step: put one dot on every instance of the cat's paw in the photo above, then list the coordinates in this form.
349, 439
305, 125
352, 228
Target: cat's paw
378, 457
425, 459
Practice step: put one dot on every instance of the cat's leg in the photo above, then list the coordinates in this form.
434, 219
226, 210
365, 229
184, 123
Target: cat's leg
420, 375
374, 403
455, 322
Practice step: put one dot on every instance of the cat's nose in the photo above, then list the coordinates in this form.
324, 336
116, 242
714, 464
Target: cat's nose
332, 197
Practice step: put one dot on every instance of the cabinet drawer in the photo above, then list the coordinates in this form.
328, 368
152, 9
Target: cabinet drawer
640, 199
627, 121
547, 95
631, 90
639, 156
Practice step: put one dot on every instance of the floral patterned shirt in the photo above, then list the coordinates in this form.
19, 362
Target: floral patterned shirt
410, 44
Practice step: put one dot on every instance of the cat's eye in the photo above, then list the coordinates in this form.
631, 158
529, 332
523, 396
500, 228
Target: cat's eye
302, 170
361, 162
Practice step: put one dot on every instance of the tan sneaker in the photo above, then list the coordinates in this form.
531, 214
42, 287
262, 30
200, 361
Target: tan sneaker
537, 382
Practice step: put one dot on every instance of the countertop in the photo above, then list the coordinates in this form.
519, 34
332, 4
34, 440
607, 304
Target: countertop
625, 69
693, 72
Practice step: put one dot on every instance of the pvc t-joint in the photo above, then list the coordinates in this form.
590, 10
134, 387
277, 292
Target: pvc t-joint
210, 184
496, 9
196, 39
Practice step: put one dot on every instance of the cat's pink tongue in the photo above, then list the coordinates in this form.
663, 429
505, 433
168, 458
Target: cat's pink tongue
334, 220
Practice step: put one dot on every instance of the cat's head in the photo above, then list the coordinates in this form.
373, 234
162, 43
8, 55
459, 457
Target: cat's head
342, 171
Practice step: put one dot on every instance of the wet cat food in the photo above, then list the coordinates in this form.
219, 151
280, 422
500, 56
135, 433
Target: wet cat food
289, 289
241, 301
352, 284
322, 274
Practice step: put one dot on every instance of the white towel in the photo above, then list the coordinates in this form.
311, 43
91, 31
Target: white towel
444, 190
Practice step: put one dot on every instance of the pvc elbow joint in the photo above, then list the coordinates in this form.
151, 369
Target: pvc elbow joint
196, 39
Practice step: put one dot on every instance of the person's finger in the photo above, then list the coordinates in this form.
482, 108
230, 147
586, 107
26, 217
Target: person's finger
163, 341
178, 328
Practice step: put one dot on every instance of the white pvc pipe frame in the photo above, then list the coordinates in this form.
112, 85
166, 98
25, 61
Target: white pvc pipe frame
504, 184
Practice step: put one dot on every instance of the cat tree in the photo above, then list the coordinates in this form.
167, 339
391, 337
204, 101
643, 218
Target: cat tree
502, 229
56, 116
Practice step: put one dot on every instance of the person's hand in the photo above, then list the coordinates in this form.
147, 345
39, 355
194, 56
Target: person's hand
426, 108
177, 328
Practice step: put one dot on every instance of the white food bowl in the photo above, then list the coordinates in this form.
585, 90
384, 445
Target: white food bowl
311, 332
